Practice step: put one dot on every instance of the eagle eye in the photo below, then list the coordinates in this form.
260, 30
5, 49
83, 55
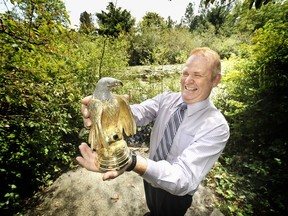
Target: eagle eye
115, 137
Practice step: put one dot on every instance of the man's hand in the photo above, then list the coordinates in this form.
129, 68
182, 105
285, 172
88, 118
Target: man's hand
88, 160
84, 102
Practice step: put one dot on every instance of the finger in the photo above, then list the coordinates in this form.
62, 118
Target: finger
114, 173
88, 159
86, 100
83, 162
85, 150
87, 122
126, 96
80, 160
84, 111
87, 164
110, 175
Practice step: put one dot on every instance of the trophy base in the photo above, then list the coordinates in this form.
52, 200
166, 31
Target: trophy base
115, 157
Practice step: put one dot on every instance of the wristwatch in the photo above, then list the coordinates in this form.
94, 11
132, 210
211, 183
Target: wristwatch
133, 163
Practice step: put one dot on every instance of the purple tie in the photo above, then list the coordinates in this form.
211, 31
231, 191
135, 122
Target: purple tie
169, 133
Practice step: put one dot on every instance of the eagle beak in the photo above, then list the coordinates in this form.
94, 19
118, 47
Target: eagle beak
115, 83
118, 83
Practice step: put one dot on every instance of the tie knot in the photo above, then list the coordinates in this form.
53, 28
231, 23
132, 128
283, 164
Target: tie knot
183, 106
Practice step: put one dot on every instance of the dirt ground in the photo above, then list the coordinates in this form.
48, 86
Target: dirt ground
80, 192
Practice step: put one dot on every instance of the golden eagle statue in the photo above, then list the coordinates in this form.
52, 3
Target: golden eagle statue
110, 115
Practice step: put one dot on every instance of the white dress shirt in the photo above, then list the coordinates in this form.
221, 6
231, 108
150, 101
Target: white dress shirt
197, 145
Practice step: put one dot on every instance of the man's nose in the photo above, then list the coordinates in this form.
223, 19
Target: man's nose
189, 79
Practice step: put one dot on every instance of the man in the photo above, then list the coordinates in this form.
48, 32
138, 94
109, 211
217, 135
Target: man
173, 171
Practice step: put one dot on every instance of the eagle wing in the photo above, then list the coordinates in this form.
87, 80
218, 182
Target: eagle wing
96, 139
126, 119
110, 115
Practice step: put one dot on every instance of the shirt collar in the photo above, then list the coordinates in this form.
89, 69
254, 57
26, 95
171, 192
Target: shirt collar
195, 107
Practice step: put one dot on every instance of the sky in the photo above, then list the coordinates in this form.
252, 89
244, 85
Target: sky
137, 8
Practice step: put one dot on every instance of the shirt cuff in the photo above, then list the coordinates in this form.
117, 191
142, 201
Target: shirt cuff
153, 172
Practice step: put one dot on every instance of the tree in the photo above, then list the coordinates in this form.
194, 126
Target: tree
86, 23
115, 21
112, 24
244, 21
189, 17
28, 21
217, 15
255, 103
37, 102
256, 3
152, 20
212, 14
170, 23
143, 44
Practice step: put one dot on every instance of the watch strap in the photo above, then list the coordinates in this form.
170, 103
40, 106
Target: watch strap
133, 163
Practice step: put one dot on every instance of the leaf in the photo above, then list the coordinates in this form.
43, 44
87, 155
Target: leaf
8, 99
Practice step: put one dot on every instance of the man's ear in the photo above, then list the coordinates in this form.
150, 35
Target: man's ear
217, 80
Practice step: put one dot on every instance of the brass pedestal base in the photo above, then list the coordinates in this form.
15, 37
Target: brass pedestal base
115, 157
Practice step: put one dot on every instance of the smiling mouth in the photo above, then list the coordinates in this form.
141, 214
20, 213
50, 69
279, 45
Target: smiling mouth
190, 89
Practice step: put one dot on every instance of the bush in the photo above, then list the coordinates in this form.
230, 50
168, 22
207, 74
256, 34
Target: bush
41, 87
254, 99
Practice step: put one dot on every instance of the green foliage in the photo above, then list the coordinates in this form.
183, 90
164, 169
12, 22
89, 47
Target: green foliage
245, 21
45, 70
86, 23
254, 99
228, 185
215, 15
86, 55
256, 3
161, 47
38, 114
189, 15
152, 20
143, 82
115, 21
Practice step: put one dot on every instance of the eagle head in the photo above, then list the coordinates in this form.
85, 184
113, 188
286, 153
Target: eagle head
109, 82
103, 87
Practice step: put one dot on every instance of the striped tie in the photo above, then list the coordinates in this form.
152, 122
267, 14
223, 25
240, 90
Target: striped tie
169, 133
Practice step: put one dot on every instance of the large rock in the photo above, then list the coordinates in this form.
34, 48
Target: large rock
80, 192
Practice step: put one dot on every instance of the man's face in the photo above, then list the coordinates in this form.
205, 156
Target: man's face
197, 81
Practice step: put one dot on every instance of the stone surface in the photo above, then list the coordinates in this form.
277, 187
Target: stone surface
80, 192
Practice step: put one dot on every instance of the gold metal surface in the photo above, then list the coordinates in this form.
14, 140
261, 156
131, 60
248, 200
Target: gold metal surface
115, 157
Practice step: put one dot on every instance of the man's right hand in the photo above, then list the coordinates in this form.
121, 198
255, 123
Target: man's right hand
86, 116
